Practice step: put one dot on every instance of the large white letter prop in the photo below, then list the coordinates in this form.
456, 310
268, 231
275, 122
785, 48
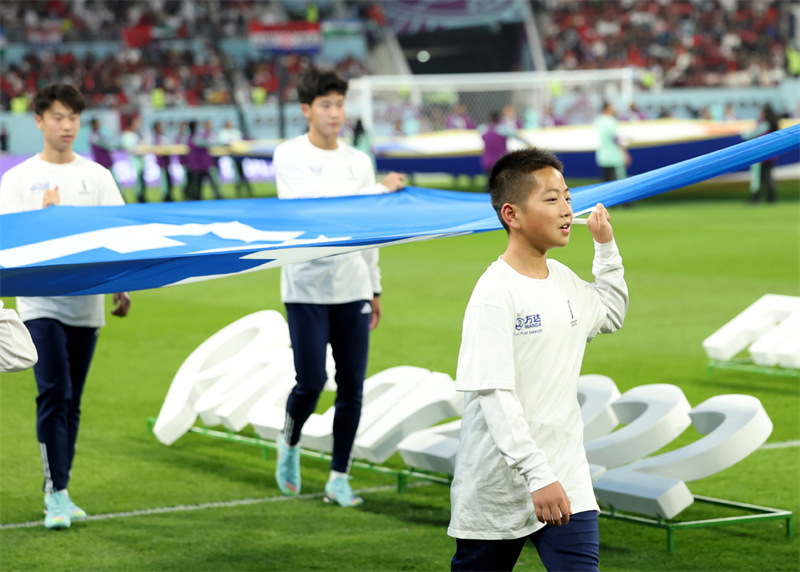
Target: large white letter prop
596, 393
755, 321
780, 345
278, 373
318, 430
267, 414
736, 425
656, 414
239, 343
433, 449
387, 420
243, 379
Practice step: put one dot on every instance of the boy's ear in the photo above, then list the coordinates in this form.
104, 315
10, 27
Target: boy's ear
305, 109
509, 214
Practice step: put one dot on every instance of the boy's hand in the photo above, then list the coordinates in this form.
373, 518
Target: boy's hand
51, 197
599, 225
377, 312
394, 181
122, 303
551, 504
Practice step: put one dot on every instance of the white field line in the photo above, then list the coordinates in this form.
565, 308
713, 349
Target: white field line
201, 506
781, 445
244, 502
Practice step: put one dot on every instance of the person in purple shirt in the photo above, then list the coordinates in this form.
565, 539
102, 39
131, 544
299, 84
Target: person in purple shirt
459, 118
199, 163
495, 135
101, 148
163, 160
182, 138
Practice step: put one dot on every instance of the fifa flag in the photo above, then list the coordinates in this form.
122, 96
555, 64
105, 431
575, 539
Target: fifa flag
64, 250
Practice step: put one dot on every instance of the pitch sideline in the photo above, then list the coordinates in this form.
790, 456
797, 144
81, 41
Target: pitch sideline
245, 502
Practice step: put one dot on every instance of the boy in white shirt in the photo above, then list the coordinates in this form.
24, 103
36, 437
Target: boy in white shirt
64, 329
333, 300
521, 470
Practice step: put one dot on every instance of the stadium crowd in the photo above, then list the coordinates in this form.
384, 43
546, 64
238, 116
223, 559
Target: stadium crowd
184, 76
702, 43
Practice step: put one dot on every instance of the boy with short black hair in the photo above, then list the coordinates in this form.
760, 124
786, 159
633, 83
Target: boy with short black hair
521, 470
334, 300
64, 329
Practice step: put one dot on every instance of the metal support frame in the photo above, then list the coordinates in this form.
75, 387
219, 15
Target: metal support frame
745, 364
757, 514
266, 446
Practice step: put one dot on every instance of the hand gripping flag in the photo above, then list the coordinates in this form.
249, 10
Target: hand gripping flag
64, 250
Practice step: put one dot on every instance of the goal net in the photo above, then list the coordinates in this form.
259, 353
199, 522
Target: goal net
391, 105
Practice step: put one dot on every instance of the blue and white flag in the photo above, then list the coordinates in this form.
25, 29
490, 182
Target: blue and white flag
64, 250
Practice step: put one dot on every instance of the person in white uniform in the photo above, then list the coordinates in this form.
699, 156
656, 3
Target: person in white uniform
335, 300
64, 329
17, 351
521, 470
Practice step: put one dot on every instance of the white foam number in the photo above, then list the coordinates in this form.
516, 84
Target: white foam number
734, 426
244, 373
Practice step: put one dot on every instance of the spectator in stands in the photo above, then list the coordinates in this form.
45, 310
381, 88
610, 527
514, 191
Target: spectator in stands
681, 43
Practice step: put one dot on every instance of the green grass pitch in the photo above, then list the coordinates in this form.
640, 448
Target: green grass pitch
693, 261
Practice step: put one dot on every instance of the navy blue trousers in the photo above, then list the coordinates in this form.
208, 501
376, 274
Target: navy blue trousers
573, 546
311, 328
65, 353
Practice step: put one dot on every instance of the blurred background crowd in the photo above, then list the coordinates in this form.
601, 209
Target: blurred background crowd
150, 68
188, 53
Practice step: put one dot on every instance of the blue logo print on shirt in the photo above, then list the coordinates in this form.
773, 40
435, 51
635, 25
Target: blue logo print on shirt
530, 324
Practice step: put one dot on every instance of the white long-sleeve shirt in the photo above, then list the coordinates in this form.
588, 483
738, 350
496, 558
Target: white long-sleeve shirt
17, 351
80, 182
522, 347
304, 171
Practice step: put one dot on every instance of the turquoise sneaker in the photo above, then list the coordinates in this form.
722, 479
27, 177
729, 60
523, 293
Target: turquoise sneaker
76, 513
57, 510
287, 471
339, 491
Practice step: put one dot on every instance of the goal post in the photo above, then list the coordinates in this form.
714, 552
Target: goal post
421, 103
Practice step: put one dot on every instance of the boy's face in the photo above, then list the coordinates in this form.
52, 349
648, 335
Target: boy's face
546, 215
325, 115
59, 125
